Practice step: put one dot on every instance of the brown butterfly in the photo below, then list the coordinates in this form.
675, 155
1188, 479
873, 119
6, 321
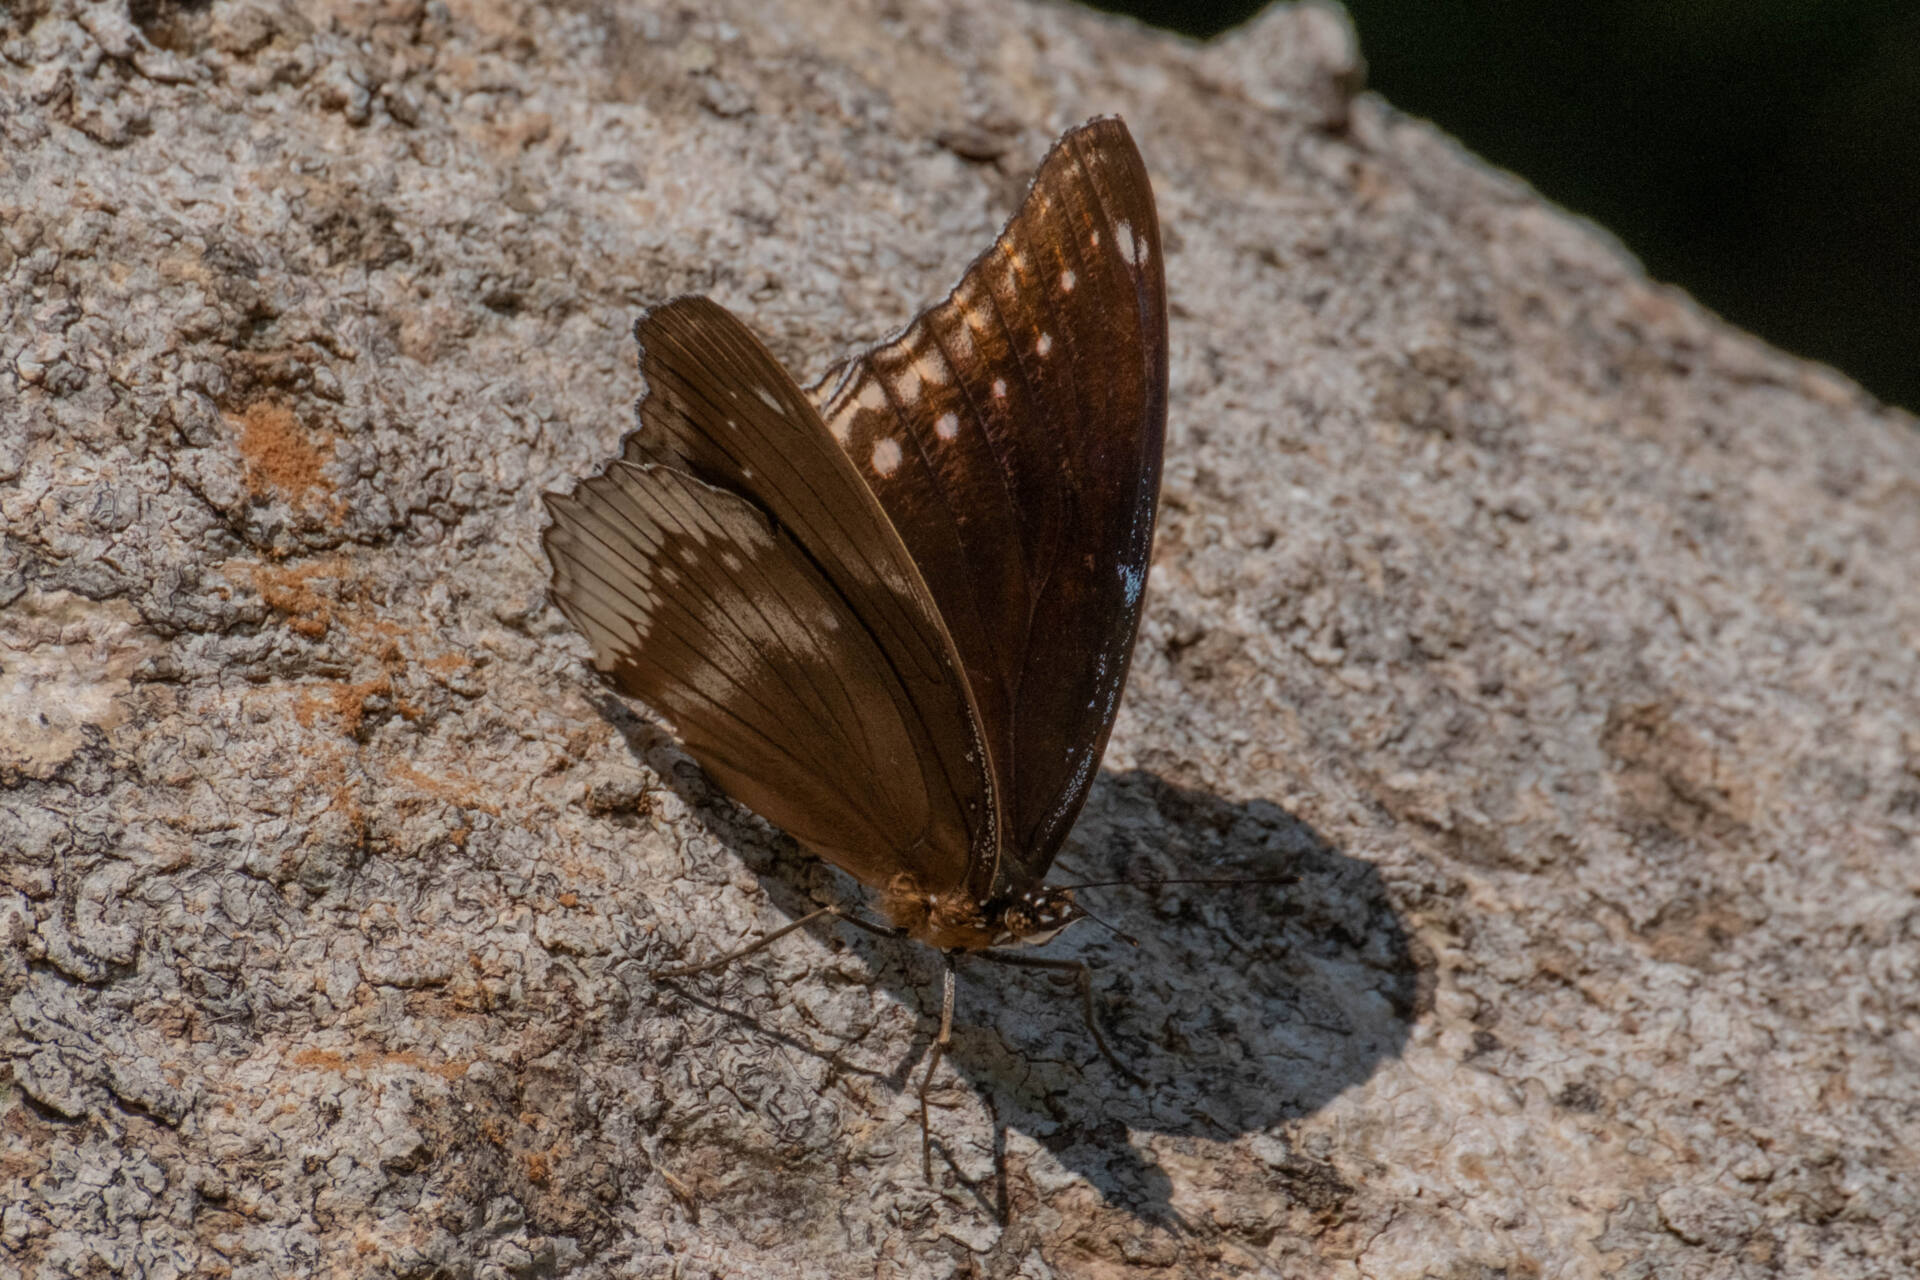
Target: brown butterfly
893, 613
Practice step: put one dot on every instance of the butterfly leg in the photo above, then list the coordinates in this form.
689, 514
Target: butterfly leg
687, 970
879, 930
933, 1061
1083, 977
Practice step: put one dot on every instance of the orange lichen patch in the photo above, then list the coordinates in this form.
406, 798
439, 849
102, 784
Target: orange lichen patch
538, 1168
323, 1058
441, 788
324, 595
24, 1154
448, 666
282, 455
345, 701
291, 591
386, 633
332, 776
329, 1060
574, 869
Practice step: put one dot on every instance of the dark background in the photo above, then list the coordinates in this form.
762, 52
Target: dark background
1764, 155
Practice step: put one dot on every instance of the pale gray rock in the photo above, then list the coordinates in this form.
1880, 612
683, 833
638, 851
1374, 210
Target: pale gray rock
1561, 640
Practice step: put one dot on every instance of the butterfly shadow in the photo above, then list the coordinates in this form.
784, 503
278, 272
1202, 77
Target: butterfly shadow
1242, 1007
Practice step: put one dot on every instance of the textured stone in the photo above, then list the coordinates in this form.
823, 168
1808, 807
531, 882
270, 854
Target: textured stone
1560, 639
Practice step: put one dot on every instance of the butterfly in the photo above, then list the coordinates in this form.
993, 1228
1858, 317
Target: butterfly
893, 613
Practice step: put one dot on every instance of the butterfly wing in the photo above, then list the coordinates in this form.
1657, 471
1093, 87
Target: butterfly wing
1013, 434
734, 573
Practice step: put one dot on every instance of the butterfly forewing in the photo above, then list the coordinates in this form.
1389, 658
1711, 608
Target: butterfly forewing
781, 554
1013, 434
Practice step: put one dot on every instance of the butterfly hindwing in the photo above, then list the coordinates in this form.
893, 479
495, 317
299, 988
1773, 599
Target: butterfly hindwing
791, 561
694, 603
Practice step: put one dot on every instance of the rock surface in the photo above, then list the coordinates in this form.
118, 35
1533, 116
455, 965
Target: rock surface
1563, 641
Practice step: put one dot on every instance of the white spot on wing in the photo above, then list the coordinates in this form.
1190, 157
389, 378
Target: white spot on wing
947, 427
1067, 281
872, 397
886, 456
999, 388
1095, 240
1126, 246
841, 423
772, 402
906, 384
963, 339
1044, 345
931, 364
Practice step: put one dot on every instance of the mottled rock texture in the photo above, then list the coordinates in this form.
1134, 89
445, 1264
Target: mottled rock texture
1562, 641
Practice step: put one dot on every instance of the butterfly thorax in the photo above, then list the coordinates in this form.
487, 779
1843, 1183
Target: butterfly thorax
957, 921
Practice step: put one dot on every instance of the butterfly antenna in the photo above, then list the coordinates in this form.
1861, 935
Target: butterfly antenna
1127, 938
1154, 884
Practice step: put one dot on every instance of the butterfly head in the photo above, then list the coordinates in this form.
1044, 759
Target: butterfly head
958, 921
1038, 916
